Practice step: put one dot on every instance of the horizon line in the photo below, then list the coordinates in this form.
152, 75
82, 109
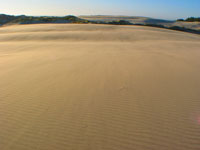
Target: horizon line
86, 15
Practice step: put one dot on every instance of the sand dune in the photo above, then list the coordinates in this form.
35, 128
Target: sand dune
132, 19
145, 20
98, 87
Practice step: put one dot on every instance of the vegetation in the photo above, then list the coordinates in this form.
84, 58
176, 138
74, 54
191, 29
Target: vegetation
7, 19
155, 25
191, 19
178, 28
120, 22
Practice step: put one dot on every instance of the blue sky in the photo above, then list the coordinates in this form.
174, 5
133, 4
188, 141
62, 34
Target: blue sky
166, 9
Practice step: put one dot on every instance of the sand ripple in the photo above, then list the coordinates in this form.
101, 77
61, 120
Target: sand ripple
96, 87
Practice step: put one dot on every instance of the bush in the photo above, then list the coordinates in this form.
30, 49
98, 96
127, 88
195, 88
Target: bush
120, 22
155, 25
190, 19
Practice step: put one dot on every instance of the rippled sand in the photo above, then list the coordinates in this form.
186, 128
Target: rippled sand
98, 87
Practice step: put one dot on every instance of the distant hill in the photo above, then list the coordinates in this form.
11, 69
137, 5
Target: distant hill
131, 19
6, 18
145, 21
9, 19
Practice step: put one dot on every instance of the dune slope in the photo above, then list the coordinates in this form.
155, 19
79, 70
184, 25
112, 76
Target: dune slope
98, 87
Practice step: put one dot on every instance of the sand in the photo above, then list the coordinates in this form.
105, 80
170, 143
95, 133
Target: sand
131, 19
144, 20
99, 87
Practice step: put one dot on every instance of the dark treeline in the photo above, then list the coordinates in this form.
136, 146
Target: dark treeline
190, 19
8, 19
177, 28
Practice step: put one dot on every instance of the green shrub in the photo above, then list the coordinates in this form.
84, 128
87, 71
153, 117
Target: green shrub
120, 22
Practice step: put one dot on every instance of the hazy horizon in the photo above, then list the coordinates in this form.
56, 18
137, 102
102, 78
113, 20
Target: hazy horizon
148, 8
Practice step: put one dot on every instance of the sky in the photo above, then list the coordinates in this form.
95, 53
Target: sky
165, 9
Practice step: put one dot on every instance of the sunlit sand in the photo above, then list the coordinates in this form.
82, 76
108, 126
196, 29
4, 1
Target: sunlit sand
98, 87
